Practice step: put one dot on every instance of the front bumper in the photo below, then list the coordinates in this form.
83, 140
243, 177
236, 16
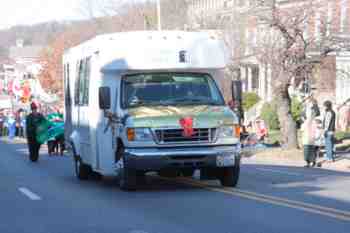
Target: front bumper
151, 159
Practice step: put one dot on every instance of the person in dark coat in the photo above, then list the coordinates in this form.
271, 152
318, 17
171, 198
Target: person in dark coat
2, 123
329, 129
33, 120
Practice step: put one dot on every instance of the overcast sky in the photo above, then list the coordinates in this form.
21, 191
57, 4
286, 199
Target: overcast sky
14, 12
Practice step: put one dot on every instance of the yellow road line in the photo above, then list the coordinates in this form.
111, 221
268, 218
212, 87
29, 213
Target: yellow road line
307, 207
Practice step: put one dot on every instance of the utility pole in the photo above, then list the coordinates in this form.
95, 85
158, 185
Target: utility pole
159, 16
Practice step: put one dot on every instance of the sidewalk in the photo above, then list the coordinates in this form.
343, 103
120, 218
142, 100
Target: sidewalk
18, 140
15, 140
279, 156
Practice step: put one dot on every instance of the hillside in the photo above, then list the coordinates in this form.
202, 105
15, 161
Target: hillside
38, 34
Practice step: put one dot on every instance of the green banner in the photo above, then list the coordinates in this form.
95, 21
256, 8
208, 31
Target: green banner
50, 128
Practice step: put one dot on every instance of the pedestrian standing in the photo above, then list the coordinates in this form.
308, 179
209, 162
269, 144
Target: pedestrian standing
33, 121
11, 124
23, 125
318, 136
21, 121
329, 129
311, 109
2, 121
308, 139
18, 123
5, 127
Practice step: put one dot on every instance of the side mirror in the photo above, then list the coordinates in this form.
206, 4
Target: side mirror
104, 98
237, 97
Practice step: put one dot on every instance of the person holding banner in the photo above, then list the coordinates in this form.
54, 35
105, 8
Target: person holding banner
56, 133
33, 121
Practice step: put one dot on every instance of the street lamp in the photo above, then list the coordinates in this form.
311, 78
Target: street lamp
159, 16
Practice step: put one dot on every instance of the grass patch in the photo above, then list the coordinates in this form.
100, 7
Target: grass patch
340, 136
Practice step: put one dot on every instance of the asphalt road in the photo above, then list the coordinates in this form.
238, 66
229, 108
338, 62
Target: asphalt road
46, 198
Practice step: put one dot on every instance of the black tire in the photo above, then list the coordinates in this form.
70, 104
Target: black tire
229, 176
127, 177
82, 171
96, 176
187, 172
168, 173
141, 177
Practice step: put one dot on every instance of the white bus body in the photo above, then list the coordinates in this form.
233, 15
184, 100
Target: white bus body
106, 61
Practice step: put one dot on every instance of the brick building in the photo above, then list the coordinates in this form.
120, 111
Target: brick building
327, 18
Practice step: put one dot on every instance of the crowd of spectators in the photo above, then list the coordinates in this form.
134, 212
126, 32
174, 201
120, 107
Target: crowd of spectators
12, 123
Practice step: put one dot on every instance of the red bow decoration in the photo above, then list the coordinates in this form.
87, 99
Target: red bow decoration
187, 126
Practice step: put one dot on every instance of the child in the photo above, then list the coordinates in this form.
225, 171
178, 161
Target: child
261, 129
319, 136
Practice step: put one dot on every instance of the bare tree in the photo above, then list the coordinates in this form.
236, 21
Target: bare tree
293, 51
294, 41
51, 58
174, 14
120, 15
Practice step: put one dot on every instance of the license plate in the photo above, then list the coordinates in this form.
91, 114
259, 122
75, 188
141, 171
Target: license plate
225, 161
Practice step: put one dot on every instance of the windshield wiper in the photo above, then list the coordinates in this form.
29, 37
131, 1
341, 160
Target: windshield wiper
179, 101
144, 103
139, 103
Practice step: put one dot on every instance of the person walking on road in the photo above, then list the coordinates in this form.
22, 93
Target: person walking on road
33, 120
329, 129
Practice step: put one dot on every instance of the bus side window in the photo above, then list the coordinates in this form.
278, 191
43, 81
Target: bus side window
87, 72
81, 81
67, 85
76, 84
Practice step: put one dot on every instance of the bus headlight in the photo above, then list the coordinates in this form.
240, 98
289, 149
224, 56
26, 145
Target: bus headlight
229, 131
139, 134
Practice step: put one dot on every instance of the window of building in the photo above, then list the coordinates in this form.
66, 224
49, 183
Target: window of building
318, 25
255, 37
343, 15
247, 42
329, 17
241, 3
255, 78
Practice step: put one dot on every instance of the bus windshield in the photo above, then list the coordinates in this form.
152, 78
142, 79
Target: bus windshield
170, 89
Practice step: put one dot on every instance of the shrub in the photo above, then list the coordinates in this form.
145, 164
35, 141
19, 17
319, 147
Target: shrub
269, 115
297, 109
341, 135
249, 100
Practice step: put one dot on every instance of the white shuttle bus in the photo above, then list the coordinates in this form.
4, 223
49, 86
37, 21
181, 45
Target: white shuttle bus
137, 102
